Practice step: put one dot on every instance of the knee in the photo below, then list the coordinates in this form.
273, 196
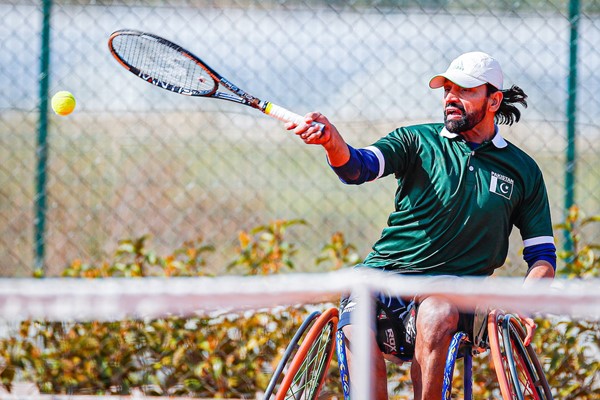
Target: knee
437, 318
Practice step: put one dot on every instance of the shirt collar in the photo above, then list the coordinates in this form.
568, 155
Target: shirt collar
497, 140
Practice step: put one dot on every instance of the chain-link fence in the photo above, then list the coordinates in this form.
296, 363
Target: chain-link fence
135, 160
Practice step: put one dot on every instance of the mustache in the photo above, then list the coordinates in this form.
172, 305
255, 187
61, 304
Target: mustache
454, 105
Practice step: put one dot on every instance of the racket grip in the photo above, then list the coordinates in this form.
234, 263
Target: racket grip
286, 115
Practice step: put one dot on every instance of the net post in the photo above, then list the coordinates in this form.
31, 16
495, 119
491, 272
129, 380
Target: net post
361, 383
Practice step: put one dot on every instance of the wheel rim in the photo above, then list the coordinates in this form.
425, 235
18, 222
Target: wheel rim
307, 370
529, 380
519, 372
307, 380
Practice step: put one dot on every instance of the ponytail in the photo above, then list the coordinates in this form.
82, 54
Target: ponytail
508, 113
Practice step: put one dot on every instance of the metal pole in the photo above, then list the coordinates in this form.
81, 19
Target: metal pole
574, 16
362, 387
42, 143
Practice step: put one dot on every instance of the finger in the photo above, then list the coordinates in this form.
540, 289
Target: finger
315, 129
317, 117
529, 335
529, 330
313, 116
309, 136
312, 136
300, 129
290, 125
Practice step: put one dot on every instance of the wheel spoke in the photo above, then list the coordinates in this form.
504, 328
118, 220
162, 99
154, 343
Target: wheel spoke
308, 368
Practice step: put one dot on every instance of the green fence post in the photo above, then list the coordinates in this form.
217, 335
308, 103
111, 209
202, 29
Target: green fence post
42, 143
574, 15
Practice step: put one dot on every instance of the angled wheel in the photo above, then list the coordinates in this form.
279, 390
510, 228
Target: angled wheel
459, 338
306, 360
290, 351
340, 351
519, 371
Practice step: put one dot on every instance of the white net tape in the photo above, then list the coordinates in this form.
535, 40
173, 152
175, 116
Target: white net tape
113, 299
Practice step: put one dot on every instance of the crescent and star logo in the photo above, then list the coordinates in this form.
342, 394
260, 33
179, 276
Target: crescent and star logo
501, 185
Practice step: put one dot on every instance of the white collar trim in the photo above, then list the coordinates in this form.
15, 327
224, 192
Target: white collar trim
497, 140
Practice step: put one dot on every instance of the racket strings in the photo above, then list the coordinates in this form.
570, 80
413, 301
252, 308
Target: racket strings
163, 64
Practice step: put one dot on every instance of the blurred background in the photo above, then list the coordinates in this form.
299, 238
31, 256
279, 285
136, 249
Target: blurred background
134, 160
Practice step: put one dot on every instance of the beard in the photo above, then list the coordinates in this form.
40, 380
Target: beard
466, 122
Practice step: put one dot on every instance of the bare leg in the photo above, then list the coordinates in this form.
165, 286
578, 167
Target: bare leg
437, 321
378, 362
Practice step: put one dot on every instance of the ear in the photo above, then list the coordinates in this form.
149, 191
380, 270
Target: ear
495, 100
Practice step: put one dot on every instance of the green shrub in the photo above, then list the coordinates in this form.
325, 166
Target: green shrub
264, 250
225, 356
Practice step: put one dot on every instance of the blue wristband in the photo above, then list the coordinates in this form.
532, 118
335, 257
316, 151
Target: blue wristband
363, 166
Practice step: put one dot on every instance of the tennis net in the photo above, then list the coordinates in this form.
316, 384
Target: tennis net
222, 337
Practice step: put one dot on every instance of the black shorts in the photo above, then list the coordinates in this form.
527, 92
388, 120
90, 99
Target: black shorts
396, 323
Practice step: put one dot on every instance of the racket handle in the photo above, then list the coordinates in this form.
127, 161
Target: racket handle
286, 115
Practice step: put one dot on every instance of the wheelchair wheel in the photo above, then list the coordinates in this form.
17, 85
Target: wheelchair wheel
456, 348
519, 371
340, 351
306, 360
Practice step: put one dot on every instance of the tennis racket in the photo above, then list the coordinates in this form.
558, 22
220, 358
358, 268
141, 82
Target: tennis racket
171, 67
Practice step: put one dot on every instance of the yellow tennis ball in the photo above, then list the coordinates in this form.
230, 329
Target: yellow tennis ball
63, 103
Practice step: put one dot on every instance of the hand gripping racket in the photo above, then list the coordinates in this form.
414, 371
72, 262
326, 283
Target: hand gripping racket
171, 67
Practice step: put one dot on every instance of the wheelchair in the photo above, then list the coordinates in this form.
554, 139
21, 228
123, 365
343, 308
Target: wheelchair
303, 367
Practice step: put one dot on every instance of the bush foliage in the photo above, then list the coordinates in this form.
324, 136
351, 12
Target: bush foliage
233, 355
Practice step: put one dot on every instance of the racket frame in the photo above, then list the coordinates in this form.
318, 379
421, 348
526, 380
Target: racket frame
239, 96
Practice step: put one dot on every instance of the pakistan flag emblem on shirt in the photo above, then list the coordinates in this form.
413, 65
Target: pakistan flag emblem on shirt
501, 185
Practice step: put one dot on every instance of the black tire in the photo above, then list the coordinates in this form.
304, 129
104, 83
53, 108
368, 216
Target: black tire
290, 350
520, 373
303, 374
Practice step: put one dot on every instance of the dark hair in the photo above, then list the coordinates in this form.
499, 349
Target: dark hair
508, 111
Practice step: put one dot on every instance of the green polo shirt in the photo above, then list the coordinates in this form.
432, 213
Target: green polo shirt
455, 207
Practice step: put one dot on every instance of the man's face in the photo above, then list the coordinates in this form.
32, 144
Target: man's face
464, 108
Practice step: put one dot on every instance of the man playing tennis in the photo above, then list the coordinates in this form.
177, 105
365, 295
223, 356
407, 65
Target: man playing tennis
461, 189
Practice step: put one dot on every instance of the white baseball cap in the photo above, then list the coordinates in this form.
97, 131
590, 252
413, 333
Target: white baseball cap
471, 70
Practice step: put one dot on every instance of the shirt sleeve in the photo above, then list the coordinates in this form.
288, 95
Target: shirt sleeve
535, 224
399, 150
